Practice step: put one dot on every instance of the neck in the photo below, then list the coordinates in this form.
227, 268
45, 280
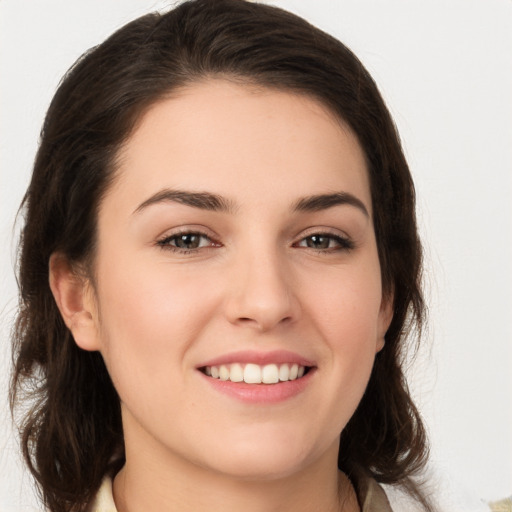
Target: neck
173, 484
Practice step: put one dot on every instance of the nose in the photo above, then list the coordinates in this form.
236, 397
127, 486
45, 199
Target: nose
261, 293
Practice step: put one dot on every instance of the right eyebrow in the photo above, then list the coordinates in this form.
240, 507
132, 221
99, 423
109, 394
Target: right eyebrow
201, 200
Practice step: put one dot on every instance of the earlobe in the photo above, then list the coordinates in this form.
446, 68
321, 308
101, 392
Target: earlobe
74, 298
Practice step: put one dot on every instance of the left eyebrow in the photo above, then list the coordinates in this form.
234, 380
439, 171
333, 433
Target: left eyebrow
324, 201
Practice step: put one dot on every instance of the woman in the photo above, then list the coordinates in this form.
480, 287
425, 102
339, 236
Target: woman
225, 218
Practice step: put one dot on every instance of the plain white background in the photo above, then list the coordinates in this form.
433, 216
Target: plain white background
444, 67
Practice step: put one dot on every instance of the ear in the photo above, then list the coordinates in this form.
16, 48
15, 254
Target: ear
385, 318
75, 299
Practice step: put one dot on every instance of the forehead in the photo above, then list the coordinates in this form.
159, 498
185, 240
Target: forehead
230, 138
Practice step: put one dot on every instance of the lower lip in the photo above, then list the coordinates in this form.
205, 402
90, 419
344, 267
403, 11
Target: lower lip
261, 393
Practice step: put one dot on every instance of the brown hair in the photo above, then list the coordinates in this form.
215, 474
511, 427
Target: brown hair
72, 434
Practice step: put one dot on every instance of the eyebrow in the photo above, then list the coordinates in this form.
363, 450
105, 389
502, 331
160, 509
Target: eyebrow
214, 202
320, 202
201, 200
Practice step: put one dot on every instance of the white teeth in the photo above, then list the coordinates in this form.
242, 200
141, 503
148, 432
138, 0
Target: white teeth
270, 374
252, 374
256, 374
236, 373
284, 372
223, 373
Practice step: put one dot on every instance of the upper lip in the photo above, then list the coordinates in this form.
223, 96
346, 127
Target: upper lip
259, 358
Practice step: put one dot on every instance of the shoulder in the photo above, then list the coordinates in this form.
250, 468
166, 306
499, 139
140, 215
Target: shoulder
104, 499
502, 505
371, 496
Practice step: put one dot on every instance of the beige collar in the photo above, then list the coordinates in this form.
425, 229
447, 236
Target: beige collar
370, 494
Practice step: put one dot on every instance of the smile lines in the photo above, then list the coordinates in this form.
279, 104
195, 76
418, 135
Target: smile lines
256, 374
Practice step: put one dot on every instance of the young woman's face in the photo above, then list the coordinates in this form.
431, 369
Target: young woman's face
237, 246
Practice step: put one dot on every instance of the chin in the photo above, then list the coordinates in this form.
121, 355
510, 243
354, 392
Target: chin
262, 459
259, 469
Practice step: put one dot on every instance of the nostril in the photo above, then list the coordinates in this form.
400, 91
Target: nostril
264, 323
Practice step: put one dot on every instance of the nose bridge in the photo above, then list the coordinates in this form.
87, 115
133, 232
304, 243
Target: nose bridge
261, 292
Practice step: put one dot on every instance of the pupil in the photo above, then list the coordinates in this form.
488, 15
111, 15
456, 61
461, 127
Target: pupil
188, 241
318, 242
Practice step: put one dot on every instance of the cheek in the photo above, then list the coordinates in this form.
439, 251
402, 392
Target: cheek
148, 319
345, 309
346, 304
148, 295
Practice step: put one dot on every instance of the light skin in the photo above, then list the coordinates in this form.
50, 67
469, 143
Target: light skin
270, 195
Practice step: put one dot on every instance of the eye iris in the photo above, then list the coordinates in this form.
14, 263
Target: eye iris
318, 242
188, 241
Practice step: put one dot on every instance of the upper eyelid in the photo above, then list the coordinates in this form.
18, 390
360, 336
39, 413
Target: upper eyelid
183, 230
345, 241
323, 230
164, 243
339, 238
176, 235
172, 236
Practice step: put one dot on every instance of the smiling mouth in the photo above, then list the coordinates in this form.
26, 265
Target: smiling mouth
256, 374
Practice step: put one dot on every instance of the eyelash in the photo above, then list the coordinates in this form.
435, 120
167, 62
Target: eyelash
343, 243
165, 243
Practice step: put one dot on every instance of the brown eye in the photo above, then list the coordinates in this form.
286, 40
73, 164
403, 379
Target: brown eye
326, 242
318, 242
186, 241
